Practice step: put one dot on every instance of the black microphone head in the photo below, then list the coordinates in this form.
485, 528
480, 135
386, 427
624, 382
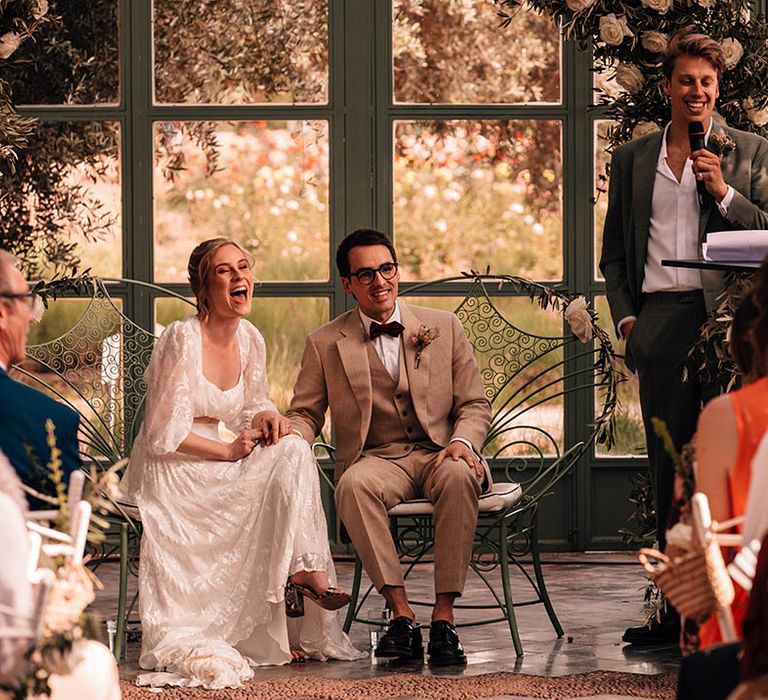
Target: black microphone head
695, 128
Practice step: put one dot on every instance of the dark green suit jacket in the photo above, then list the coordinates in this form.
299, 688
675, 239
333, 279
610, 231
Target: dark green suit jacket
627, 223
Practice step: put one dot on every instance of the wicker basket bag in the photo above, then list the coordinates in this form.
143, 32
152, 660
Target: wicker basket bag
697, 583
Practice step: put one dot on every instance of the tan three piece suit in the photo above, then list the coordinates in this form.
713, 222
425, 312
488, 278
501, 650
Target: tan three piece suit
388, 432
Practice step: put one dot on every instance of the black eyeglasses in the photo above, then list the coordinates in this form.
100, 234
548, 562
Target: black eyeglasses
29, 297
366, 275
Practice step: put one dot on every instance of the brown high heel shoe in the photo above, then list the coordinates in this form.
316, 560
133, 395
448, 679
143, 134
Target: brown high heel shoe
331, 599
294, 601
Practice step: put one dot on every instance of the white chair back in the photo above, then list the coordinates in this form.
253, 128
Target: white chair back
704, 530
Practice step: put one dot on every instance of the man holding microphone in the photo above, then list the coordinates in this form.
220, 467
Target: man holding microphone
667, 191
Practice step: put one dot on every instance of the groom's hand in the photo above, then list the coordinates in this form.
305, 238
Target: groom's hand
272, 426
458, 450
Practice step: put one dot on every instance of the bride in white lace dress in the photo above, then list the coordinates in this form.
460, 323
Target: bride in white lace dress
225, 524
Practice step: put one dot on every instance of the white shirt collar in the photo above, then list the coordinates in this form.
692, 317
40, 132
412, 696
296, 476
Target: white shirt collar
2, 366
663, 151
367, 320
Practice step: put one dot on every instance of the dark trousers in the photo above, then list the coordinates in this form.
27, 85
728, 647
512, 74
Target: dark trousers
667, 327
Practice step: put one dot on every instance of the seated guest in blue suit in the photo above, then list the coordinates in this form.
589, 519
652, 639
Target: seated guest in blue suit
24, 410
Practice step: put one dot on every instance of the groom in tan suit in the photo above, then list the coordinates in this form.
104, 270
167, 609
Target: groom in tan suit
409, 422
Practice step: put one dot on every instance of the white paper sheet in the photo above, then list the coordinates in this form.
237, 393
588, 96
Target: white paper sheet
736, 246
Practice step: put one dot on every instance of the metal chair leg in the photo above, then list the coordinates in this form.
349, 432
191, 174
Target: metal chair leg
543, 594
508, 603
354, 594
122, 592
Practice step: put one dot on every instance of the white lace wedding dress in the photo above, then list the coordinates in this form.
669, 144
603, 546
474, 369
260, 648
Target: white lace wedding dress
221, 538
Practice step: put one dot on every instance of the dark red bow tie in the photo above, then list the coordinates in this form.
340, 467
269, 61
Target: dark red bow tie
393, 328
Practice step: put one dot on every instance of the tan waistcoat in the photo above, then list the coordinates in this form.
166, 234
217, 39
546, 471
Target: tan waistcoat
395, 429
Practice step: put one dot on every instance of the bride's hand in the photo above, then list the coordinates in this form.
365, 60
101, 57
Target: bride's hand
272, 426
243, 444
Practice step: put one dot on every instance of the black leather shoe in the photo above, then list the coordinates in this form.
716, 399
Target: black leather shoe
402, 640
663, 631
444, 646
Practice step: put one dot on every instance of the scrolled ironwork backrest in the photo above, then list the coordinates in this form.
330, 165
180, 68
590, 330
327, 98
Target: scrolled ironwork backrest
97, 367
525, 374
502, 349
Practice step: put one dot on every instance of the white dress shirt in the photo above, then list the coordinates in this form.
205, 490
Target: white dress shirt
674, 227
387, 346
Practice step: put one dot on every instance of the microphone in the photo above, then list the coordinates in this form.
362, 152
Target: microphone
696, 139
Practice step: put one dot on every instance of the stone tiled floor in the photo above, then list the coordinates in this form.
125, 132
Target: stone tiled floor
595, 595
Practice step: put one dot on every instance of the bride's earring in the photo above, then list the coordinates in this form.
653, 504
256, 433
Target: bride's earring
294, 601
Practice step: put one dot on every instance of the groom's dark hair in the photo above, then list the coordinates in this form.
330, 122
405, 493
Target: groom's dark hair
361, 237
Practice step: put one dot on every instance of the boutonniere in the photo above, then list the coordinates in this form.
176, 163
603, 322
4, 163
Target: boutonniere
723, 142
421, 339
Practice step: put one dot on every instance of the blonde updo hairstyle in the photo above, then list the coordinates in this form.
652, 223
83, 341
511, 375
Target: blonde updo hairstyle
200, 266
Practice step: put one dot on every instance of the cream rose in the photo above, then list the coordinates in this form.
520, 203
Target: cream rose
655, 42
41, 8
759, 117
9, 42
733, 51
706, 4
629, 77
661, 6
579, 5
577, 315
643, 129
613, 29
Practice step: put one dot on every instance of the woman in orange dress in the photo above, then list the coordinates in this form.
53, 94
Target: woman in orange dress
731, 427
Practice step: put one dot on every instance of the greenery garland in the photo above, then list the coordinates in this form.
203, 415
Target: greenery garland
627, 41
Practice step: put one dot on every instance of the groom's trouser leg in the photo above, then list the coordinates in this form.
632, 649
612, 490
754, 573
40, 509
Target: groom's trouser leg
366, 490
454, 489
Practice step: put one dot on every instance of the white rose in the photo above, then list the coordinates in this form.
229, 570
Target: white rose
655, 42
661, 6
579, 5
41, 7
9, 42
644, 128
759, 117
706, 4
629, 77
577, 315
613, 29
733, 51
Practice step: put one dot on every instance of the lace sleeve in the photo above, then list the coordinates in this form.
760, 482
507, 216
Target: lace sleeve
170, 408
254, 354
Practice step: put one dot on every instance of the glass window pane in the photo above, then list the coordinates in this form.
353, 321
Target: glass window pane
629, 432
472, 194
284, 340
62, 205
264, 184
532, 416
73, 58
236, 52
453, 51
601, 160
